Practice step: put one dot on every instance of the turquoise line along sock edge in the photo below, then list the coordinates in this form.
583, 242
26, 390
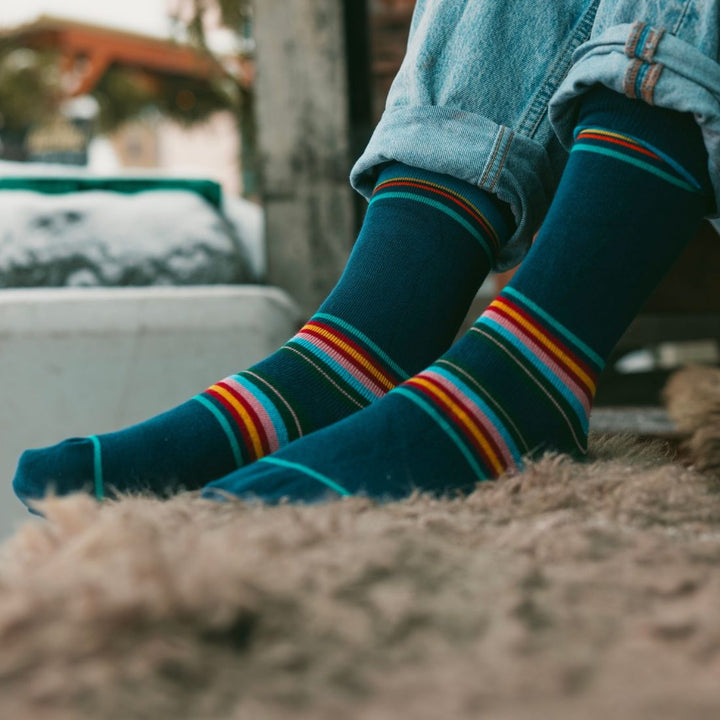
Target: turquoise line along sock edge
648, 146
310, 473
372, 345
637, 163
447, 429
97, 467
567, 334
232, 440
441, 208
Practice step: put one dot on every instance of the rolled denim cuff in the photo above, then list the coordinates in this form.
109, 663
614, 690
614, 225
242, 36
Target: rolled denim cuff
469, 147
648, 64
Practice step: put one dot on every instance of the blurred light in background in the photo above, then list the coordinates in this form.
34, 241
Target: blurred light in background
145, 16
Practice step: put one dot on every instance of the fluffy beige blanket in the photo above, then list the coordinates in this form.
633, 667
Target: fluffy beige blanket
568, 591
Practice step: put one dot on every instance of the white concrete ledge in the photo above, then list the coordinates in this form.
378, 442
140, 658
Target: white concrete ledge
77, 361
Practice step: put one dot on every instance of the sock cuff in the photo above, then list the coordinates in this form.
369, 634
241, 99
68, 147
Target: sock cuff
482, 215
635, 151
674, 134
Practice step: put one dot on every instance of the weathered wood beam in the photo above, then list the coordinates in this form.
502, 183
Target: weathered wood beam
303, 129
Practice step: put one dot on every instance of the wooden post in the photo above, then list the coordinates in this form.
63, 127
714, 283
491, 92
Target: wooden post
302, 116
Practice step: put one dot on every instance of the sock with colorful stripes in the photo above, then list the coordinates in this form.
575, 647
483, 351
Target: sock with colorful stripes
427, 243
522, 380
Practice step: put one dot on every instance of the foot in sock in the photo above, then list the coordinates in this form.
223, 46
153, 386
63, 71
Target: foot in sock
427, 243
522, 380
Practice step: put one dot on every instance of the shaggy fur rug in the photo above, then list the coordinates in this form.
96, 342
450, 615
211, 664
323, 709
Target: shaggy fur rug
567, 591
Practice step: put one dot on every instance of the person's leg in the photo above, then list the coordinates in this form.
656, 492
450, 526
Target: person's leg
427, 243
415, 267
523, 378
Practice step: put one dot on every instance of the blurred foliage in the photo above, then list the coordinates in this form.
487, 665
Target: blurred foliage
29, 86
233, 15
236, 15
124, 94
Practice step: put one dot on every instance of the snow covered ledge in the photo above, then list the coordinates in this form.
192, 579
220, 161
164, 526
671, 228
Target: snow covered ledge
74, 361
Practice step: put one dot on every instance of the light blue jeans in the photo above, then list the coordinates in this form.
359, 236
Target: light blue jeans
488, 90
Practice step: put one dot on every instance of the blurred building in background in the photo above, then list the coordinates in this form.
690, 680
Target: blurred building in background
160, 104
110, 99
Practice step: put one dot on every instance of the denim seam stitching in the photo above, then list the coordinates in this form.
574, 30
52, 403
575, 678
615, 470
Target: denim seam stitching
493, 155
647, 90
503, 159
647, 53
682, 17
631, 76
537, 110
633, 38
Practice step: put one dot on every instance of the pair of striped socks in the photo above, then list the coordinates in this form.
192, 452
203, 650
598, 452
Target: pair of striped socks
522, 380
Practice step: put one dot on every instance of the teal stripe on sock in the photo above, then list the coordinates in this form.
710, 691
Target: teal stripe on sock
489, 212
497, 408
267, 405
580, 146
473, 397
449, 431
534, 362
375, 348
442, 208
310, 473
222, 421
674, 164
333, 366
97, 467
571, 337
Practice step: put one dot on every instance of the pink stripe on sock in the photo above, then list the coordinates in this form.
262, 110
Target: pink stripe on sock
478, 415
250, 399
541, 353
357, 371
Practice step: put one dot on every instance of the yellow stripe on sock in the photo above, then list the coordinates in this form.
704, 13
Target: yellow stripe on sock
249, 424
464, 418
589, 383
374, 371
619, 136
450, 192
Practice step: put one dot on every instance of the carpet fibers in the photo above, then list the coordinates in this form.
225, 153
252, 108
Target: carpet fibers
567, 591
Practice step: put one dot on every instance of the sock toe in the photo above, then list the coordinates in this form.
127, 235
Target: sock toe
60, 469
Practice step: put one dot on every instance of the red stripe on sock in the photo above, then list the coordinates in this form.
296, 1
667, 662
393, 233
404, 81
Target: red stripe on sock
544, 353
448, 413
461, 400
617, 141
259, 427
339, 337
463, 204
542, 329
239, 423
